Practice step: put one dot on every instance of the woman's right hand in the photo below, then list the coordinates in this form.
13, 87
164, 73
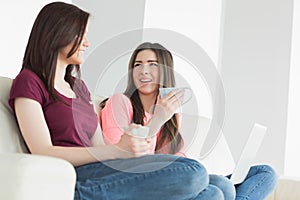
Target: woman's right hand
132, 146
167, 106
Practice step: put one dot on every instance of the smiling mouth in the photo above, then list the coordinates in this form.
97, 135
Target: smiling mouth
145, 80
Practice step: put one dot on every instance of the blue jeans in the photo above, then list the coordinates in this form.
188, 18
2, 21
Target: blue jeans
259, 183
173, 177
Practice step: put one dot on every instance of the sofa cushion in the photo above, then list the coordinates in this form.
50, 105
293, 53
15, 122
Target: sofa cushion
11, 140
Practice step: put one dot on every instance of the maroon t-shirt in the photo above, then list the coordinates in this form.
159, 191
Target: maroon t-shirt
72, 123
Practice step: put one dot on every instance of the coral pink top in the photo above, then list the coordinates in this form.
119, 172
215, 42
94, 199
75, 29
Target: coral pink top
116, 115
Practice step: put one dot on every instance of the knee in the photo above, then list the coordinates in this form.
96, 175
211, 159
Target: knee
195, 177
224, 184
213, 193
271, 176
197, 171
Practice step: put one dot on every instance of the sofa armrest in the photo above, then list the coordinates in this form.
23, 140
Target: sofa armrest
34, 177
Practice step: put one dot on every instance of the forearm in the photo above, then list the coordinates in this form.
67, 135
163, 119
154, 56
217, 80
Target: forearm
82, 155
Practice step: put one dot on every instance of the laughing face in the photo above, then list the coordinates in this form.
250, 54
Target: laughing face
146, 72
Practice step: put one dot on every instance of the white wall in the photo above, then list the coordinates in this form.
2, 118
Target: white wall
292, 159
16, 20
255, 64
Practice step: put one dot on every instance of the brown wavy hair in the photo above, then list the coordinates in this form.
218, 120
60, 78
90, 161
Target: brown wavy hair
170, 139
57, 25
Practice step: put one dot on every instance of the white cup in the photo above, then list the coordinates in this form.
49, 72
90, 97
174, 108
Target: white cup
142, 131
187, 93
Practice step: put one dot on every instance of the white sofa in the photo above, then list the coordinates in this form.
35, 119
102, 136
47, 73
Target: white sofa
30, 177
24, 176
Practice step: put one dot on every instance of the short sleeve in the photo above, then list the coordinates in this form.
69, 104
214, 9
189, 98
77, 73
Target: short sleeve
27, 84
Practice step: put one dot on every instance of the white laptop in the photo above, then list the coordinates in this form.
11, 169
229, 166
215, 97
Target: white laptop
248, 154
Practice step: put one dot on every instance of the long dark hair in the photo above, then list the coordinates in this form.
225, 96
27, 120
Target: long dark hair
57, 25
169, 132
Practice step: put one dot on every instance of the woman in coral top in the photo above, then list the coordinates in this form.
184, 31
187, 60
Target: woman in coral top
151, 67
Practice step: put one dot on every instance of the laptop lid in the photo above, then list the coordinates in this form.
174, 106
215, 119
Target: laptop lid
248, 154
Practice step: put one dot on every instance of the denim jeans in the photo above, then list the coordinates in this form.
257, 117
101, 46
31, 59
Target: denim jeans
153, 177
259, 183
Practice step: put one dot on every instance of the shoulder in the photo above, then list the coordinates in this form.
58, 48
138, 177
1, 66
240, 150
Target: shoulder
117, 102
27, 84
119, 96
80, 84
27, 77
81, 89
28, 81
